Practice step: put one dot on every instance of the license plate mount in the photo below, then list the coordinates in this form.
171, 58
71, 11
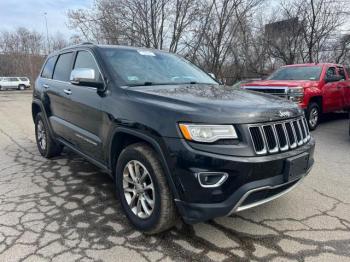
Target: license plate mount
296, 167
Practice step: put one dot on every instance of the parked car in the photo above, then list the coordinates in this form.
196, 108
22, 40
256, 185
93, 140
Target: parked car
19, 83
317, 88
175, 141
244, 81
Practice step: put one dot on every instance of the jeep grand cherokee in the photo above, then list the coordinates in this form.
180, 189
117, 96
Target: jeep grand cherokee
176, 143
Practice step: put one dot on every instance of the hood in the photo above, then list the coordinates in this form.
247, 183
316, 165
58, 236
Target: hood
220, 103
282, 83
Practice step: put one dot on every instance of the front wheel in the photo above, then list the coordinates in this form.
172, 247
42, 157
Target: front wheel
313, 114
21, 87
143, 190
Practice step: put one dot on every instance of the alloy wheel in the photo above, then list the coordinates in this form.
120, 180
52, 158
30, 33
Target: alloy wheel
138, 189
313, 117
41, 135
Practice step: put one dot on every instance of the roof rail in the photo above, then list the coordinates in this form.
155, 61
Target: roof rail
86, 43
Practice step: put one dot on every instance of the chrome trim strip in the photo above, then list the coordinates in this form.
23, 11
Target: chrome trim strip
264, 150
238, 207
219, 183
275, 149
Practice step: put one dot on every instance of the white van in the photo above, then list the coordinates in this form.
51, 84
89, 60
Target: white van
19, 83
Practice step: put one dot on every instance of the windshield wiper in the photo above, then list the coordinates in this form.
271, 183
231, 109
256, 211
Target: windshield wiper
167, 83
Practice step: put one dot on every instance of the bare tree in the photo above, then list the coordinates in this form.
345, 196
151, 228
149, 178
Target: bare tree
21, 53
321, 18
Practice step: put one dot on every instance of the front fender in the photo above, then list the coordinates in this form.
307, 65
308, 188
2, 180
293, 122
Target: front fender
157, 146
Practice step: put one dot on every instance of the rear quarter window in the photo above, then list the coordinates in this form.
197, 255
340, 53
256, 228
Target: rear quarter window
48, 68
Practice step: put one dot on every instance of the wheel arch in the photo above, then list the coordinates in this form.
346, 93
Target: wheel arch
36, 108
318, 100
123, 137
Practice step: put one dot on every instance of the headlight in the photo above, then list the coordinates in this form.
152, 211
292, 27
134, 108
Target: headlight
296, 94
207, 133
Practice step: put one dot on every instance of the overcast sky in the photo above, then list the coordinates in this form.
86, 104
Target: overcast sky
30, 14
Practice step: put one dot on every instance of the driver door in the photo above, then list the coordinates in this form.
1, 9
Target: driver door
85, 113
333, 92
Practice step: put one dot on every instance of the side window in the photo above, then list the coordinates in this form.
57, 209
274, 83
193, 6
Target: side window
63, 67
13, 79
331, 71
341, 72
86, 60
48, 68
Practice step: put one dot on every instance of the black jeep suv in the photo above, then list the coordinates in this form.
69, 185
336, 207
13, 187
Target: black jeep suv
175, 141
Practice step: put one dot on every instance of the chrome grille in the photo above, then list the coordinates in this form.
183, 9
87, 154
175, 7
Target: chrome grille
271, 90
279, 136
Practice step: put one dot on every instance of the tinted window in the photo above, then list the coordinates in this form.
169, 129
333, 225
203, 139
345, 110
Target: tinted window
331, 71
24, 78
63, 67
297, 73
86, 60
13, 79
48, 68
341, 72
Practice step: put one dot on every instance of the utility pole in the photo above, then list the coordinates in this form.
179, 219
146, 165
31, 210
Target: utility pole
47, 34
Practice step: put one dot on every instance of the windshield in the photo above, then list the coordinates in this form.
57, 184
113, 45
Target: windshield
297, 73
148, 67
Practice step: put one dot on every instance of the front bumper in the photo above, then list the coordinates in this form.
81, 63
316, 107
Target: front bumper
252, 180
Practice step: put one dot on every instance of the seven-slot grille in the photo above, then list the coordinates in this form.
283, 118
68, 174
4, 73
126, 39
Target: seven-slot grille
279, 136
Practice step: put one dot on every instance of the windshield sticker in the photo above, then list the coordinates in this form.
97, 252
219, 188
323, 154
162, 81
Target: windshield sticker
146, 52
133, 78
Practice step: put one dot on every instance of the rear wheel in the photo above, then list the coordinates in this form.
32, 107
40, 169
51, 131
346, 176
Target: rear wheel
2, 88
46, 145
313, 115
143, 190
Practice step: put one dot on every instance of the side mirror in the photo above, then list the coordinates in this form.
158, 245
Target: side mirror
333, 78
85, 77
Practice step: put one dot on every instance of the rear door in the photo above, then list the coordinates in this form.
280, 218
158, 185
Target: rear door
85, 109
59, 96
333, 92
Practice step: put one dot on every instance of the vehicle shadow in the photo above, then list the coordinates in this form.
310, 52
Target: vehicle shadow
329, 117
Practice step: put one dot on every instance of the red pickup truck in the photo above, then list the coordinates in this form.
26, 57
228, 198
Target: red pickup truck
317, 88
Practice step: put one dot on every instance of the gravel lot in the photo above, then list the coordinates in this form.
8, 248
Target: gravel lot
65, 209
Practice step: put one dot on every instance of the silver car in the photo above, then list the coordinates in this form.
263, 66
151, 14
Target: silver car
19, 83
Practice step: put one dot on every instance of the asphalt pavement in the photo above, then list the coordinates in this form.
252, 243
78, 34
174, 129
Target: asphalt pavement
65, 209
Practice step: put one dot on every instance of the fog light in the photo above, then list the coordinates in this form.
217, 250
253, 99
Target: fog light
211, 179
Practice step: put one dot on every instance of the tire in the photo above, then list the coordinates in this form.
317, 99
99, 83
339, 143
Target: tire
163, 215
2, 88
46, 145
21, 87
313, 115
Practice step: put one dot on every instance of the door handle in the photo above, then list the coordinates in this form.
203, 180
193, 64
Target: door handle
45, 86
67, 91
